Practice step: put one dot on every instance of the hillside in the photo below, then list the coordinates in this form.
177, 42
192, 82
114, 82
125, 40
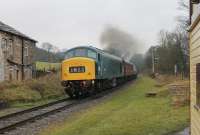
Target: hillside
44, 56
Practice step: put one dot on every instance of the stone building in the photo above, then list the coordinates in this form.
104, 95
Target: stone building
194, 39
16, 54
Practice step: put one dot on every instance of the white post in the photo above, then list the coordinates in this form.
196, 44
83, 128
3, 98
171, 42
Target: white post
175, 70
153, 64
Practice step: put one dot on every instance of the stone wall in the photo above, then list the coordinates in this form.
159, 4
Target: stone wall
1, 63
180, 94
12, 57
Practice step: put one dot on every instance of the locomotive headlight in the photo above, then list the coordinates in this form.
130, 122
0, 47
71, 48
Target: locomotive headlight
93, 82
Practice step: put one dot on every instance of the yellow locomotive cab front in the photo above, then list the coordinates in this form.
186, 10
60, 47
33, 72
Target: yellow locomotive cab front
78, 68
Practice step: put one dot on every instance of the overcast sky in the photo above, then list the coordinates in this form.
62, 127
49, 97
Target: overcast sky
69, 23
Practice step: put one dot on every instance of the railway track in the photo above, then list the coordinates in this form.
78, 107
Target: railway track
18, 119
14, 120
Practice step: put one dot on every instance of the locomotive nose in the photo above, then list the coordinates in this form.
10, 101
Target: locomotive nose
78, 68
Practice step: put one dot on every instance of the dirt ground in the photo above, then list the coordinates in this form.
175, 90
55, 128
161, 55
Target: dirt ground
184, 132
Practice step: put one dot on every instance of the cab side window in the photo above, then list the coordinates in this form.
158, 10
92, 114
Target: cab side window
92, 54
99, 57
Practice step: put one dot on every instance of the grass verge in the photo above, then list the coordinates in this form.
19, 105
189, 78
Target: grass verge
128, 112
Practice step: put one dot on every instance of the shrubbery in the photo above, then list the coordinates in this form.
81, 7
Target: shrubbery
31, 90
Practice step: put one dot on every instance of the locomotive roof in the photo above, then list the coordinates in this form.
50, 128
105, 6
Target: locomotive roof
98, 51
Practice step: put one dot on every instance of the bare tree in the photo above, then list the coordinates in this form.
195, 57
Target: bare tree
47, 46
50, 49
173, 46
184, 20
172, 50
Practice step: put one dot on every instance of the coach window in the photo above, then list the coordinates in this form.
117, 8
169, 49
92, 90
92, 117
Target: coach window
198, 84
92, 54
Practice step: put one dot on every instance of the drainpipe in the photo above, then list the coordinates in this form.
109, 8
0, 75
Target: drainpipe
22, 59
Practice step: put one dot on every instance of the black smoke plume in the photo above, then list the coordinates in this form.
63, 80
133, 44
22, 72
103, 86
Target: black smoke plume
118, 42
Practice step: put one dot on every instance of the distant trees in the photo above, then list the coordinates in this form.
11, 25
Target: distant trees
172, 50
43, 56
49, 47
173, 47
48, 53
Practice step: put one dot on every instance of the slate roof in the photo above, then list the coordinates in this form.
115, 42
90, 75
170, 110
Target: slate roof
9, 29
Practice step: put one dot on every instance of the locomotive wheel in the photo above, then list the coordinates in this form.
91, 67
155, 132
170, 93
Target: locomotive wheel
92, 91
69, 93
114, 82
79, 95
99, 86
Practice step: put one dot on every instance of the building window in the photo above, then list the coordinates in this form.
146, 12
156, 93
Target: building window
26, 51
11, 74
10, 47
17, 74
4, 44
198, 84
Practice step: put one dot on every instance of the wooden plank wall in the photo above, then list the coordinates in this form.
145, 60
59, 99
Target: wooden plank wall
194, 59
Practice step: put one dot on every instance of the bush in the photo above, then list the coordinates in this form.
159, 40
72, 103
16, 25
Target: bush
32, 90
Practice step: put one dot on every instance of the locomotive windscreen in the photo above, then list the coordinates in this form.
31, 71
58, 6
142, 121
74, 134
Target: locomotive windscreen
81, 52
